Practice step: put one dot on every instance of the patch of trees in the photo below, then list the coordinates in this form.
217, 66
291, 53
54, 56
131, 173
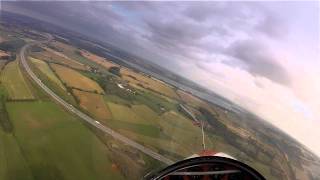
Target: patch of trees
12, 46
213, 121
222, 130
115, 70
4, 117
247, 146
36, 49
184, 112
77, 52
10, 57
219, 127
110, 86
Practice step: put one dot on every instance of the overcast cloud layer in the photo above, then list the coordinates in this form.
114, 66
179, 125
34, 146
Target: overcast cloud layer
263, 56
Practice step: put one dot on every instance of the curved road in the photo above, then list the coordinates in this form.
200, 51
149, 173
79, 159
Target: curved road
85, 117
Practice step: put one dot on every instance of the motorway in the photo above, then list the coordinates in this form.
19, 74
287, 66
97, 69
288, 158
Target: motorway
85, 117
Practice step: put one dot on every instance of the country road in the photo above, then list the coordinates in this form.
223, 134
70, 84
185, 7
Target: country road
85, 117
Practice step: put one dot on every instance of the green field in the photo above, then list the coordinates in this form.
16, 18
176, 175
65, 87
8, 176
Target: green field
116, 99
154, 101
56, 145
170, 134
15, 83
125, 118
12, 162
186, 136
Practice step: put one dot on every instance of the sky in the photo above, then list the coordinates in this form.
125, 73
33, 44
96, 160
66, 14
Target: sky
264, 56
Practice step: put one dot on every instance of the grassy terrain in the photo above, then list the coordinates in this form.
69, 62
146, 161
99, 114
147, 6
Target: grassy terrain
45, 69
2, 64
142, 116
48, 77
170, 133
148, 83
154, 101
75, 79
15, 83
186, 136
131, 162
59, 57
75, 54
38, 93
5, 123
12, 162
132, 125
93, 104
56, 145
116, 99
97, 59
53, 56
130, 116
132, 121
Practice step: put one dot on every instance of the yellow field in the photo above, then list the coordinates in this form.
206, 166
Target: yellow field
135, 78
45, 69
51, 55
94, 104
74, 79
2, 63
97, 59
15, 83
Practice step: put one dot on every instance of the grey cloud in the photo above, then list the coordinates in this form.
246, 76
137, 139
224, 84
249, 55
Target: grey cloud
272, 26
84, 16
207, 11
138, 6
176, 35
203, 11
180, 30
259, 61
206, 67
